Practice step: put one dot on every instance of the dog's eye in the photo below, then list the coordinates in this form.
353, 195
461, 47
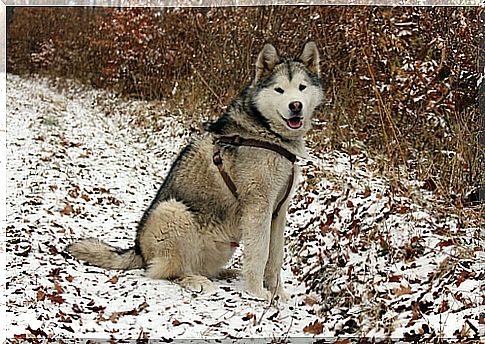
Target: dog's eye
302, 87
279, 90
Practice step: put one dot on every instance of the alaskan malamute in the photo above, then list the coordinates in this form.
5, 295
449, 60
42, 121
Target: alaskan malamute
232, 184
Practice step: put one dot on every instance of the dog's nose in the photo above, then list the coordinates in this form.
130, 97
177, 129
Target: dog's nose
295, 107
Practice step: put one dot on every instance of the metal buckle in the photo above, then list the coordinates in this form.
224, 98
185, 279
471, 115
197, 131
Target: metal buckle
216, 158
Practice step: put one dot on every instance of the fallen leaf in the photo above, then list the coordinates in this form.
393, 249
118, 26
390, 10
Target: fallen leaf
443, 307
402, 291
143, 336
248, 316
113, 200
325, 226
354, 150
40, 295
100, 190
343, 341
464, 275
63, 317
56, 299
350, 269
114, 317
135, 311
429, 184
74, 192
92, 307
38, 332
446, 243
67, 210
58, 287
416, 310
310, 300
355, 227
113, 279
53, 250
383, 243
55, 272
85, 197
315, 328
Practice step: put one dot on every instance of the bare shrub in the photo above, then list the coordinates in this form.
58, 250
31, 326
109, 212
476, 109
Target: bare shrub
400, 80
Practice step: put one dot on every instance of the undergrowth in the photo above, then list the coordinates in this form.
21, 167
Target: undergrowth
401, 82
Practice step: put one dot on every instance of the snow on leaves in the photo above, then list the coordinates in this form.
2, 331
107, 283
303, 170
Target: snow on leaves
369, 260
367, 250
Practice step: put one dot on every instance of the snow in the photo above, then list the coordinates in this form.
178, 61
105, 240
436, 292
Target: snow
3, 182
361, 259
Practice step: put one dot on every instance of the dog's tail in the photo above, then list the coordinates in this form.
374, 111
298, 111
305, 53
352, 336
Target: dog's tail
105, 256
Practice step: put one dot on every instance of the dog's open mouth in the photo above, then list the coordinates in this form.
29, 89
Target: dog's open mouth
294, 122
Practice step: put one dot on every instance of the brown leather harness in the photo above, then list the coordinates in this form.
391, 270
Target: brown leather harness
240, 141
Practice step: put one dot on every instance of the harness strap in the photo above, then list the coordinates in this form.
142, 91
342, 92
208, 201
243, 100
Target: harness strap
217, 159
287, 194
239, 141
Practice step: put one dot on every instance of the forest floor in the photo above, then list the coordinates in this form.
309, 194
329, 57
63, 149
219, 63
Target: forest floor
363, 258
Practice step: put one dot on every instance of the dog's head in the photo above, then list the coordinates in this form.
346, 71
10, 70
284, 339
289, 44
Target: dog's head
287, 91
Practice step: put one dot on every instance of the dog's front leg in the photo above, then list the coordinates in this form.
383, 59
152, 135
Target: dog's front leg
272, 273
256, 224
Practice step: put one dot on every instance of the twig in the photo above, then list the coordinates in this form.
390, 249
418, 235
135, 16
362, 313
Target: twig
207, 85
273, 294
291, 324
210, 327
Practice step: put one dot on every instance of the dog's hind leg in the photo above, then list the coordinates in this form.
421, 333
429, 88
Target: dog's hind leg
169, 241
168, 268
229, 273
171, 246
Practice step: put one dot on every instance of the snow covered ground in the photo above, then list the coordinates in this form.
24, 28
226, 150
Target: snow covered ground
362, 260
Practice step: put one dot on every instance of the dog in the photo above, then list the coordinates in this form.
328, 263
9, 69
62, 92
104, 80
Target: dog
231, 184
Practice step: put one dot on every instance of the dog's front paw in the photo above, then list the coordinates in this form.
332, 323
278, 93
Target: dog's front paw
260, 293
281, 295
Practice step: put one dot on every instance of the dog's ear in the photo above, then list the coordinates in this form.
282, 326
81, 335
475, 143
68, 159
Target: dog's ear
310, 57
267, 59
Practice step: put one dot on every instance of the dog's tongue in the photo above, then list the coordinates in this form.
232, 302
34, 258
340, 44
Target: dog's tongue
294, 122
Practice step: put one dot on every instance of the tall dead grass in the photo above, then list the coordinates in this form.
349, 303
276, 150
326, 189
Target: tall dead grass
401, 82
